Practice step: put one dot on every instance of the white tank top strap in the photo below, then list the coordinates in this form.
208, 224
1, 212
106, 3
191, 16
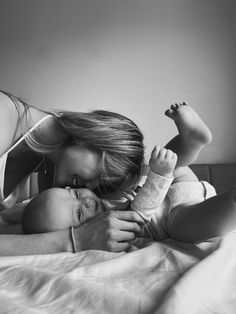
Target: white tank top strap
27, 133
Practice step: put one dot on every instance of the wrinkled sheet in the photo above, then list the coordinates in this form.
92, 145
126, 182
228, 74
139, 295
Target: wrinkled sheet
162, 277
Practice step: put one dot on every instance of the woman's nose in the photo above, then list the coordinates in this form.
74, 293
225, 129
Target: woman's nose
91, 185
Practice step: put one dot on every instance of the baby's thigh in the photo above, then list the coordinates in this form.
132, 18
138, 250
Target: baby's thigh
184, 174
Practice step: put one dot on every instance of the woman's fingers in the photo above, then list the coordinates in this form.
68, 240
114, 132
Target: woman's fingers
128, 226
123, 236
112, 231
118, 246
124, 221
129, 215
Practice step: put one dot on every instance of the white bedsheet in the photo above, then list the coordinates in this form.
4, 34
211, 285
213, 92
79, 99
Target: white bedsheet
163, 278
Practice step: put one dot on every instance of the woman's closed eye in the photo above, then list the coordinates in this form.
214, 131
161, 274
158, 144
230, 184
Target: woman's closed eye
74, 181
77, 182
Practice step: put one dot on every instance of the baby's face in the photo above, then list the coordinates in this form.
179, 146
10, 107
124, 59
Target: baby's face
71, 207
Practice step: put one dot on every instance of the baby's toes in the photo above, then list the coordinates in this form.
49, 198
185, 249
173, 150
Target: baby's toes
175, 106
184, 104
169, 113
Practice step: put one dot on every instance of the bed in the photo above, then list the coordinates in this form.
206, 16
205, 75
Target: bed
166, 277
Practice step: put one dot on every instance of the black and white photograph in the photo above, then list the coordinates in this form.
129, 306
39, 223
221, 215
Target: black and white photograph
117, 157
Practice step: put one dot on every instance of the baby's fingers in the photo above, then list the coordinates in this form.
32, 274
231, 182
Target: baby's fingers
155, 151
162, 153
169, 154
174, 156
174, 159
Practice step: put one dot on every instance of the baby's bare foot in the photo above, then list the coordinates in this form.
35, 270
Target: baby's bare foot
189, 123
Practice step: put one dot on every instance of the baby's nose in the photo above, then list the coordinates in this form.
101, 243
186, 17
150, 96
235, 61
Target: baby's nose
89, 203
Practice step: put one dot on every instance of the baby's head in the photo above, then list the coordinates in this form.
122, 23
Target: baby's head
59, 208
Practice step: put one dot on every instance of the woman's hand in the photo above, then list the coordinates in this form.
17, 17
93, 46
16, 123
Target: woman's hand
108, 231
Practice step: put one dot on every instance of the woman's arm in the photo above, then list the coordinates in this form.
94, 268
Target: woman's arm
110, 231
46, 243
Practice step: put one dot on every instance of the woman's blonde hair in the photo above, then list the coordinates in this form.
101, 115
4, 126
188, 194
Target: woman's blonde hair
116, 137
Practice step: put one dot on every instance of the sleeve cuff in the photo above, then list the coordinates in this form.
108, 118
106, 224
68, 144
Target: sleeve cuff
162, 181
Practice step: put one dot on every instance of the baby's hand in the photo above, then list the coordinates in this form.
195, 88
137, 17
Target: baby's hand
163, 161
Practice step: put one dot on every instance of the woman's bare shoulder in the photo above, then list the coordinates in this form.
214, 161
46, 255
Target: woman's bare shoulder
9, 120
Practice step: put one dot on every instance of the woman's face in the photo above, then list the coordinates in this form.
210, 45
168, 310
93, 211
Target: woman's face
77, 166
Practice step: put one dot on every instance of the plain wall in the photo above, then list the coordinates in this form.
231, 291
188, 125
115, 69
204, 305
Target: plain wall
130, 56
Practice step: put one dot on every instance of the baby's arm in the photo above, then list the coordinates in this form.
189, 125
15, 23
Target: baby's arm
152, 194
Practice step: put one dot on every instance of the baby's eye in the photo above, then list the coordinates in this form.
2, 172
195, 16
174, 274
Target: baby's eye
79, 214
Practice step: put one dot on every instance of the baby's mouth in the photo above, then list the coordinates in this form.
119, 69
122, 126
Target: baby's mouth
99, 207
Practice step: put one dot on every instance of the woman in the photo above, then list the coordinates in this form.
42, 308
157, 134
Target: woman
99, 150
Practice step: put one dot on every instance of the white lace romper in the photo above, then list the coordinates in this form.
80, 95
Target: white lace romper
158, 198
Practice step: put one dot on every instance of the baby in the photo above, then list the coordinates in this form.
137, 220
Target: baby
172, 201
59, 208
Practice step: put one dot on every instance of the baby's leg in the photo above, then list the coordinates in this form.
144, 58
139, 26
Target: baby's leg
211, 218
193, 136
